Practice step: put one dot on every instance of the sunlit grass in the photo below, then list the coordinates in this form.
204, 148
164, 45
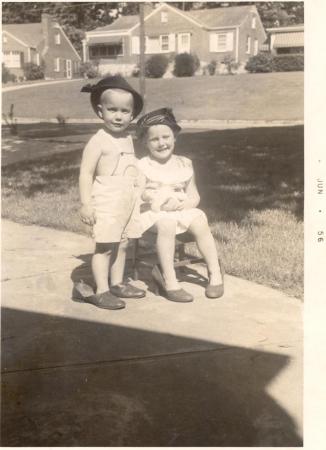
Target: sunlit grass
262, 96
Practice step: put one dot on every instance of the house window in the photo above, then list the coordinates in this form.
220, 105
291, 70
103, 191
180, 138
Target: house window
152, 45
253, 22
164, 41
57, 38
184, 43
106, 51
164, 16
4, 39
12, 59
135, 45
57, 64
221, 42
255, 46
38, 59
248, 44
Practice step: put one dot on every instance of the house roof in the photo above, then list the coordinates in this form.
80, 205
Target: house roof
210, 18
29, 33
122, 23
289, 40
290, 28
220, 17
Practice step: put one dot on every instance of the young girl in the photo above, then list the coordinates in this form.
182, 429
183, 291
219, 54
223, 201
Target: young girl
170, 199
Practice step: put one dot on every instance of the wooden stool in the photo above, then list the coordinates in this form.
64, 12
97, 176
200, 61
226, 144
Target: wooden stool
182, 259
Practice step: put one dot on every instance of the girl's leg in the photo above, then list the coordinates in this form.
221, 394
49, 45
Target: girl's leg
207, 247
118, 262
165, 245
100, 266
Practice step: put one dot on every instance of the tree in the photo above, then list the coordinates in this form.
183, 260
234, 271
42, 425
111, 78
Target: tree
78, 17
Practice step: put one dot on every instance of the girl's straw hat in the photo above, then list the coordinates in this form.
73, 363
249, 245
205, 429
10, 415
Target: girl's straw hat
163, 116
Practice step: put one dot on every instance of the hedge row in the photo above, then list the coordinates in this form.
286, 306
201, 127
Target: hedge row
265, 62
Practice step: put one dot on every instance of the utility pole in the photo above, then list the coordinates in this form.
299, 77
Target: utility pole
142, 55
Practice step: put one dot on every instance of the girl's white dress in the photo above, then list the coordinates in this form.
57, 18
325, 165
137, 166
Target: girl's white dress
175, 173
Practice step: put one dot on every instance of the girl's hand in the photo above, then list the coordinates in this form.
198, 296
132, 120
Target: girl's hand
182, 204
171, 205
87, 214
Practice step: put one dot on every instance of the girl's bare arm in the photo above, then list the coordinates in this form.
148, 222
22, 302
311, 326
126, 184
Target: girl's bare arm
193, 197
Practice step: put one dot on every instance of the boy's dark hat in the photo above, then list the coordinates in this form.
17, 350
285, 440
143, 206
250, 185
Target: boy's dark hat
112, 82
163, 116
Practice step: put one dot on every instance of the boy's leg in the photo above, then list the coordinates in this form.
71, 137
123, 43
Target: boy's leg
206, 245
165, 245
101, 264
118, 262
117, 286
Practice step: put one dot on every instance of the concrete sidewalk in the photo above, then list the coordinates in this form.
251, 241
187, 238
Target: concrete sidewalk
224, 372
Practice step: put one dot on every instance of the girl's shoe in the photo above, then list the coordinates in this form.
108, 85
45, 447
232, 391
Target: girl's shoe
216, 291
175, 295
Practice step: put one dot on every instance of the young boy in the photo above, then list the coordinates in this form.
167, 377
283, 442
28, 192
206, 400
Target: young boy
108, 191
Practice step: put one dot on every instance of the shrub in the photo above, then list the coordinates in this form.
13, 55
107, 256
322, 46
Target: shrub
7, 75
185, 65
135, 71
33, 71
61, 119
230, 64
89, 69
288, 63
211, 67
263, 62
156, 66
10, 120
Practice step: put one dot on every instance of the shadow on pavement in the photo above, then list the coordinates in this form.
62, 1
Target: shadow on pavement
69, 382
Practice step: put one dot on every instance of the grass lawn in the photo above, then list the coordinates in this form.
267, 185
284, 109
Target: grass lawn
270, 96
251, 185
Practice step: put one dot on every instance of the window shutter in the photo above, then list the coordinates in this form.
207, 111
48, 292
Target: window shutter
172, 42
229, 41
135, 46
213, 42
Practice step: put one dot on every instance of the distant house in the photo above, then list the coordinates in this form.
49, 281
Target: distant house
211, 34
286, 40
39, 42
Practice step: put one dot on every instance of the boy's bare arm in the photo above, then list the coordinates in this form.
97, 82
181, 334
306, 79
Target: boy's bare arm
88, 166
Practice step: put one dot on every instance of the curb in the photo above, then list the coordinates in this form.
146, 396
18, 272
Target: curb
192, 124
45, 83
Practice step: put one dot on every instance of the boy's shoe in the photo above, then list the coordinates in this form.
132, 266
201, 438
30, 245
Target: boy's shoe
105, 300
126, 290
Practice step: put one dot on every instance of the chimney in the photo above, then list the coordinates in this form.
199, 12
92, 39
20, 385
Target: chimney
46, 26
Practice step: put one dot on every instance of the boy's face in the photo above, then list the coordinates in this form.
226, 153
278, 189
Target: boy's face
116, 109
160, 142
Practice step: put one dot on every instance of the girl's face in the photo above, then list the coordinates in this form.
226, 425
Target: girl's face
160, 142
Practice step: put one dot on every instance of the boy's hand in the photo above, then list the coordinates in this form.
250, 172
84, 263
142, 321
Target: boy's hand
87, 214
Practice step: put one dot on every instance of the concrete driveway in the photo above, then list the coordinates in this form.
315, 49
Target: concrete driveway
221, 373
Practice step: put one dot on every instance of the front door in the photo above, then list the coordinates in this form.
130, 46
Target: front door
68, 69
184, 43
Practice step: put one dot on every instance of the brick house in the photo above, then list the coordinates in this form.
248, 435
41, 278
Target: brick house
39, 42
211, 34
286, 40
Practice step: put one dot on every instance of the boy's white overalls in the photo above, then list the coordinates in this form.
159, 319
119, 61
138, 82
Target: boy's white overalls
115, 199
